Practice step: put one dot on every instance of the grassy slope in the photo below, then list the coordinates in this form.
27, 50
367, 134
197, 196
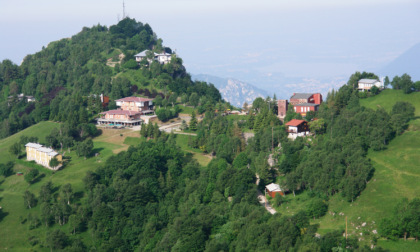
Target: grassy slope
40, 130
396, 176
14, 235
387, 98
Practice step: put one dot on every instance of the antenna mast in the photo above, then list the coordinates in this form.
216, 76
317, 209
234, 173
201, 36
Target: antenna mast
123, 10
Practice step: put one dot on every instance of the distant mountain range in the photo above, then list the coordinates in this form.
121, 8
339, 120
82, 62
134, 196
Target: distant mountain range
234, 91
408, 62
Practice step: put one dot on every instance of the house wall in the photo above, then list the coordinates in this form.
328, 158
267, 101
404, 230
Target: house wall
113, 116
40, 157
273, 194
304, 109
317, 98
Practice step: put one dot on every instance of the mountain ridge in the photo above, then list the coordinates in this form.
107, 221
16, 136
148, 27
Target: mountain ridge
234, 91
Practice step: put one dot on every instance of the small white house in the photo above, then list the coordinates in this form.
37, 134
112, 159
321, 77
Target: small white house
162, 58
367, 84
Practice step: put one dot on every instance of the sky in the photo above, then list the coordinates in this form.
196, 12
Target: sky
272, 44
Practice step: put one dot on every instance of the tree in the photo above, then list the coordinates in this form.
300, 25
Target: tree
15, 149
6, 169
193, 122
29, 199
45, 193
194, 99
31, 175
54, 162
386, 82
317, 126
85, 148
57, 240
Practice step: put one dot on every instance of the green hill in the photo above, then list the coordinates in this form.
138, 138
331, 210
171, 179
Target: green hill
387, 98
396, 176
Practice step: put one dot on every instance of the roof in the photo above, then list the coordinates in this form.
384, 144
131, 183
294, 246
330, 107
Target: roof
121, 112
295, 122
306, 104
45, 149
33, 145
273, 187
134, 99
301, 96
141, 54
368, 81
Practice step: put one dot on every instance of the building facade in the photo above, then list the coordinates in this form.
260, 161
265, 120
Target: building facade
162, 58
303, 108
297, 128
367, 84
129, 112
42, 155
273, 189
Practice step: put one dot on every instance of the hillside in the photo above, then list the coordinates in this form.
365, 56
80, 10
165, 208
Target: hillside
234, 91
395, 177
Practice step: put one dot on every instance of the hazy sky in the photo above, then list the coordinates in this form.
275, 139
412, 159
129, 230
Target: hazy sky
260, 41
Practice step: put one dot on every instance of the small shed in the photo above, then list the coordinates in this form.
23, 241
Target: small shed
273, 189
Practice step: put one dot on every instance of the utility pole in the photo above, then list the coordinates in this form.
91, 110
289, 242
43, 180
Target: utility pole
272, 139
346, 228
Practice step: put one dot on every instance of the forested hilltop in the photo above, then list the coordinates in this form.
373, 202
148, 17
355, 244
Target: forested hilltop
150, 193
67, 75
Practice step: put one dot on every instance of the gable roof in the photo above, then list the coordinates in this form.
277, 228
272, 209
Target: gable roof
295, 122
368, 81
273, 187
301, 96
134, 99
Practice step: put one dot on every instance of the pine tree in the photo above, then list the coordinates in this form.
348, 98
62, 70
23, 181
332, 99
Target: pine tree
193, 122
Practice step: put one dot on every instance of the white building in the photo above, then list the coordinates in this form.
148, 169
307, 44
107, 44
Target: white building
367, 84
162, 58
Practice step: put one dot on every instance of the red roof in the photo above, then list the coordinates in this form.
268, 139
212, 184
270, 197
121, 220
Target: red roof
134, 99
121, 112
295, 122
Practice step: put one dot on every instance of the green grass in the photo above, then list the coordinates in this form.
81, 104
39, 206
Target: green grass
387, 98
182, 141
14, 235
40, 130
134, 141
187, 110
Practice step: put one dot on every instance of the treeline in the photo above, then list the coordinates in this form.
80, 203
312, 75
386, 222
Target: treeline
405, 221
154, 197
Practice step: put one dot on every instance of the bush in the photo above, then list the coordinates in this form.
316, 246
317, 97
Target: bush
6, 169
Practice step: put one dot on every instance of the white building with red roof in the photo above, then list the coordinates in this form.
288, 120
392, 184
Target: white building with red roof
129, 112
297, 128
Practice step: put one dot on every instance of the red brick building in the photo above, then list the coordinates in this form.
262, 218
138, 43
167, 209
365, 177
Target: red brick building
298, 98
303, 108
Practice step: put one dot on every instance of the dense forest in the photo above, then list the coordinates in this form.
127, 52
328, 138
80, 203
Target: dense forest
155, 196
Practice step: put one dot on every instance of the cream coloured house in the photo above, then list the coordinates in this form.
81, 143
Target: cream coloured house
42, 155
